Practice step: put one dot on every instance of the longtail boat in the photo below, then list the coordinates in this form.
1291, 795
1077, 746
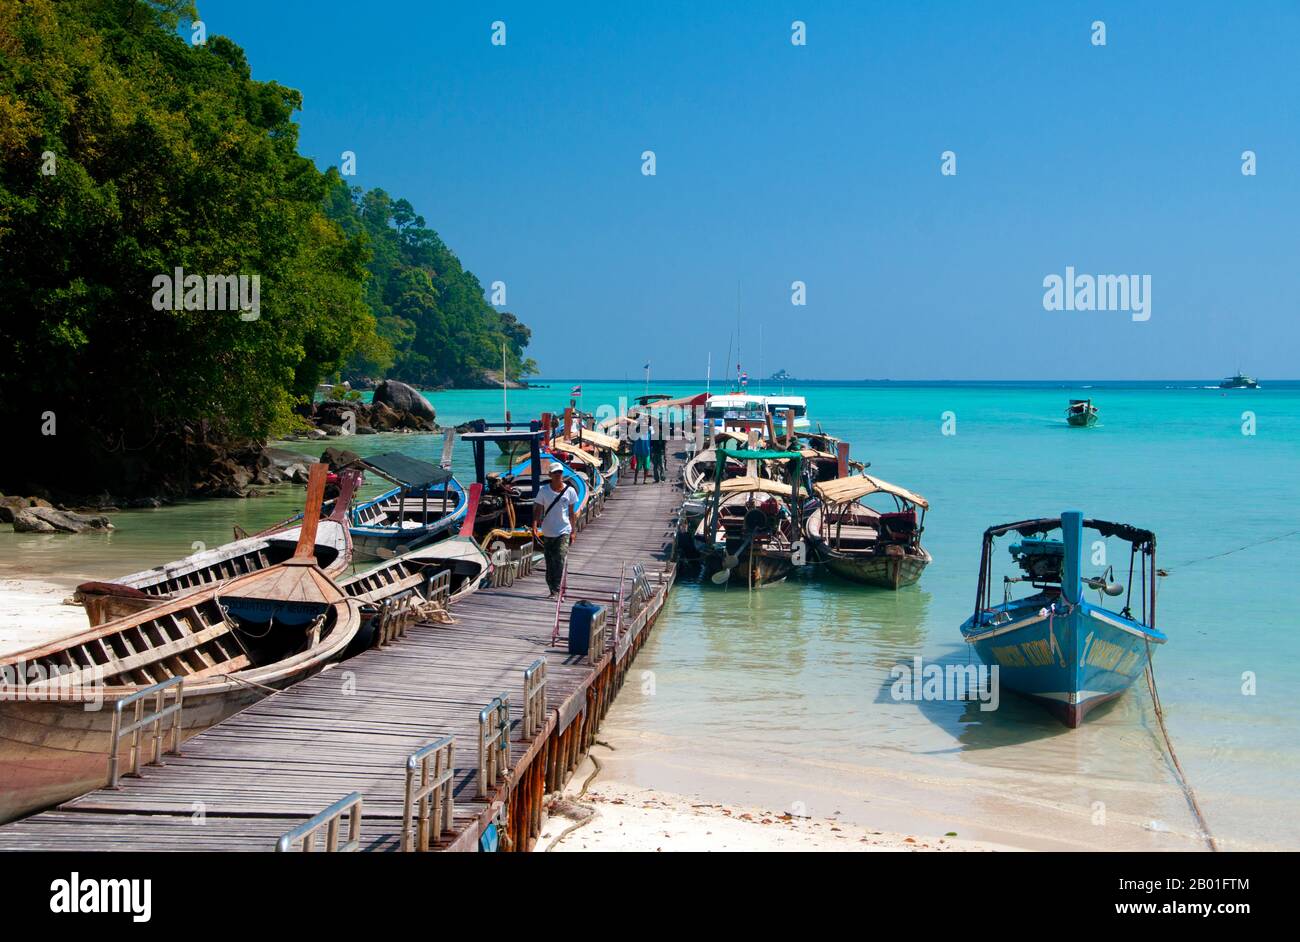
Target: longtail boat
505, 510
1081, 413
856, 541
229, 643
138, 591
1055, 646
752, 529
427, 503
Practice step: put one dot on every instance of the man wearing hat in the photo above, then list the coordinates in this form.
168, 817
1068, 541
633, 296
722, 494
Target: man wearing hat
554, 512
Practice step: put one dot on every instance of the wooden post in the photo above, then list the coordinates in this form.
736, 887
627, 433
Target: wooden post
546, 429
842, 454
789, 428
311, 511
751, 466
568, 420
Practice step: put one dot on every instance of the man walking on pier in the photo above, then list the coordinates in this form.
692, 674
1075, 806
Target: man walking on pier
554, 517
659, 454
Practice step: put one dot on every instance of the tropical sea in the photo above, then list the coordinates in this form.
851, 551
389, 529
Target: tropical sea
782, 698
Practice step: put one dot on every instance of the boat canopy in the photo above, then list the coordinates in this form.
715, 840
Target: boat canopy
407, 471
859, 486
758, 454
731, 434
747, 484
665, 403
1131, 534
571, 449
599, 439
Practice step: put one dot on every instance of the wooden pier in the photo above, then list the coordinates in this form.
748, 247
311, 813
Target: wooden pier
435, 700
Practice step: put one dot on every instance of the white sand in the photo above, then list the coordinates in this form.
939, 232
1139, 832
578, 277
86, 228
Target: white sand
614, 816
32, 612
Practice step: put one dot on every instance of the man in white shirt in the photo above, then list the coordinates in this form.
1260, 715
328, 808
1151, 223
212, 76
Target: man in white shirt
555, 511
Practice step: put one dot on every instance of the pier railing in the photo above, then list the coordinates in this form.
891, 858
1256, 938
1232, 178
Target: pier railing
599, 635
509, 565
328, 819
155, 718
534, 699
429, 800
493, 743
439, 589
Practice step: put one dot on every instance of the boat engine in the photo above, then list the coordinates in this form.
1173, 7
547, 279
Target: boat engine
1040, 560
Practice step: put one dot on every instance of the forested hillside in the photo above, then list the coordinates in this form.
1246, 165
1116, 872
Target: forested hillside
129, 154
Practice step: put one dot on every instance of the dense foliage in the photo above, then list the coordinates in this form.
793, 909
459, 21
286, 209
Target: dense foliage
434, 321
127, 152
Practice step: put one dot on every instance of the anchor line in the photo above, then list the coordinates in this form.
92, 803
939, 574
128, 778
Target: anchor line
1271, 539
1186, 786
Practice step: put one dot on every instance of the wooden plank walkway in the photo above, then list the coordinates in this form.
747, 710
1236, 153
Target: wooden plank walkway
241, 784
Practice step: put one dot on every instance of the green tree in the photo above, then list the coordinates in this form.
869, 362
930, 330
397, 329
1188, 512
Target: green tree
163, 155
432, 315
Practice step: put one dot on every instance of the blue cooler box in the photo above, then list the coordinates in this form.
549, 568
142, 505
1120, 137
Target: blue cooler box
580, 620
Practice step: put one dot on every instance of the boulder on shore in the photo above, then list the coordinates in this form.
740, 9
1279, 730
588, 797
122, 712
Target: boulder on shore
404, 398
9, 506
49, 520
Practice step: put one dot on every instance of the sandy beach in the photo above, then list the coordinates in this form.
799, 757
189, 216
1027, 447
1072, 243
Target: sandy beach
615, 816
32, 611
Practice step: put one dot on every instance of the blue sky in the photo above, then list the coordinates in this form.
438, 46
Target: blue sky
821, 163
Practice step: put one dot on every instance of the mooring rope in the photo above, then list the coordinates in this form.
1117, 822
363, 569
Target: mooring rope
1271, 539
1186, 786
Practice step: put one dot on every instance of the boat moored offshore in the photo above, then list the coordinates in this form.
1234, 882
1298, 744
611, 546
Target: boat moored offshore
1054, 646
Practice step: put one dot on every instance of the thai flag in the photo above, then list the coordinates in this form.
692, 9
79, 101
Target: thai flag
744, 379
575, 391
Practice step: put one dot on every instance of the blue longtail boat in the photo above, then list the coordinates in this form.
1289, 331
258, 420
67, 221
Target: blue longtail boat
505, 511
1055, 646
427, 504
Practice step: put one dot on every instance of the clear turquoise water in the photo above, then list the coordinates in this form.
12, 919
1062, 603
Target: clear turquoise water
797, 675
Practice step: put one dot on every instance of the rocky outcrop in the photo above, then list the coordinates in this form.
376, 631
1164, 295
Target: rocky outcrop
332, 418
492, 378
403, 398
50, 520
10, 506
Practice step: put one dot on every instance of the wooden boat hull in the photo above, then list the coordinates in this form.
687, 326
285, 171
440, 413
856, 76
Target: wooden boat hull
1069, 661
55, 750
1082, 419
885, 571
756, 568
142, 590
373, 537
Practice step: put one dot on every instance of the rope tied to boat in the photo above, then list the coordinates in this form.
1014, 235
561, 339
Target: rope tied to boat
1186, 786
1049, 612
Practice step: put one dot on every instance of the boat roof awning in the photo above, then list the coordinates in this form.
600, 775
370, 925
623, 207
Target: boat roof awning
571, 449
747, 484
505, 435
599, 439
405, 470
680, 403
1124, 531
859, 486
758, 454
731, 434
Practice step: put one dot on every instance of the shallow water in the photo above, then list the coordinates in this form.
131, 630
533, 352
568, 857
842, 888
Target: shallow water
783, 695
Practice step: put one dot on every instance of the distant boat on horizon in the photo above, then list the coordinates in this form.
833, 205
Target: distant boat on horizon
1081, 413
1240, 381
